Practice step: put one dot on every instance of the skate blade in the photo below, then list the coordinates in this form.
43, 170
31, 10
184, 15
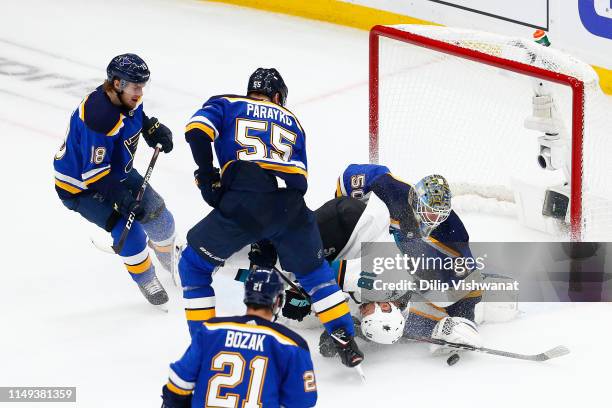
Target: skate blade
163, 308
361, 373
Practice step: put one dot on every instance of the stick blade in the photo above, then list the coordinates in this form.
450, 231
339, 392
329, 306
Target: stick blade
556, 352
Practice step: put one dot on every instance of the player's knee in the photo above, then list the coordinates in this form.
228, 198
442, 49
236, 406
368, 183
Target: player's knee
156, 212
136, 240
194, 270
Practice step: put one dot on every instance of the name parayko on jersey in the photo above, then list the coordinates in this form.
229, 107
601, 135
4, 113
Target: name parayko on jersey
268, 112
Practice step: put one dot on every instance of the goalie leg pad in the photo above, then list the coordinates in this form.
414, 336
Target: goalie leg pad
455, 330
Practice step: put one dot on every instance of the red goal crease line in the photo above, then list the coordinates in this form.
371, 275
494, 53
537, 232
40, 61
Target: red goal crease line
575, 84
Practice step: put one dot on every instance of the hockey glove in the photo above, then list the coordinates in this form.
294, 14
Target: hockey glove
172, 400
210, 186
125, 204
296, 307
263, 254
155, 132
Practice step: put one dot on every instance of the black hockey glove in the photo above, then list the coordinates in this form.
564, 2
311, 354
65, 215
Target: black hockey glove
263, 254
125, 203
155, 132
210, 186
296, 307
172, 400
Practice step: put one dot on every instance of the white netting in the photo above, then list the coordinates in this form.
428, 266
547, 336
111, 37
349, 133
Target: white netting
464, 119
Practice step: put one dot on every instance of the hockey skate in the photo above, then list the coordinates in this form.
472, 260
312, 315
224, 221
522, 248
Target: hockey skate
155, 293
340, 343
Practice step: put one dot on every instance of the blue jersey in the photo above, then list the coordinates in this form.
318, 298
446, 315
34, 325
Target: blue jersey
449, 239
102, 139
245, 361
256, 131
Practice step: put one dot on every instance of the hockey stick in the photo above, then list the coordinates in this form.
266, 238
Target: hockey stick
128, 225
547, 355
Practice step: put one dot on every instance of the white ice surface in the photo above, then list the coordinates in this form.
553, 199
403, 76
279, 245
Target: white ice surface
70, 314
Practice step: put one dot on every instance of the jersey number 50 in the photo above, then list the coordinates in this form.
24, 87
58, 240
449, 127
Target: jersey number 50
281, 141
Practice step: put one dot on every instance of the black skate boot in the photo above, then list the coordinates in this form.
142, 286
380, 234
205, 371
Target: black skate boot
154, 292
338, 342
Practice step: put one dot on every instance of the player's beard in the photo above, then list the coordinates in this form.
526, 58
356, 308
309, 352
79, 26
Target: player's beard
128, 101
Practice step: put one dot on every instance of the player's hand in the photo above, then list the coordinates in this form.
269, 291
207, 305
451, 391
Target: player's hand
296, 306
125, 204
155, 132
210, 186
263, 254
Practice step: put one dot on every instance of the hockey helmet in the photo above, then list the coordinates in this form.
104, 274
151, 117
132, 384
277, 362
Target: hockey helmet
263, 287
430, 199
129, 68
384, 324
268, 81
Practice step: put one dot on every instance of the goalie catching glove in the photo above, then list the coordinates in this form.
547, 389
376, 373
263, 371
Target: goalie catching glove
454, 330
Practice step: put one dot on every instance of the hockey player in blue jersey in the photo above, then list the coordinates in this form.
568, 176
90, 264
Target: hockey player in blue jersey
94, 172
245, 361
257, 194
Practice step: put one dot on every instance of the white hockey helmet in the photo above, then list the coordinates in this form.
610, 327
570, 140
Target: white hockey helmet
382, 322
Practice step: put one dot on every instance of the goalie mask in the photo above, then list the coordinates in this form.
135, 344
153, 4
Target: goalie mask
431, 201
382, 322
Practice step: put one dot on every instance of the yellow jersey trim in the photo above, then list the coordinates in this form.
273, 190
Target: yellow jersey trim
178, 390
265, 329
425, 315
117, 126
282, 169
97, 177
201, 126
82, 109
67, 187
443, 247
260, 102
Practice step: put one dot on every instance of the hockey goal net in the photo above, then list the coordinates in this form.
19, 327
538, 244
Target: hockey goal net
488, 112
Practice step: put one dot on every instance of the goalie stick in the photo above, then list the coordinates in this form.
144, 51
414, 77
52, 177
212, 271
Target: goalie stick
546, 355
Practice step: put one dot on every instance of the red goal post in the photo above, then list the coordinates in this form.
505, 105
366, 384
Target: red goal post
405, 36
